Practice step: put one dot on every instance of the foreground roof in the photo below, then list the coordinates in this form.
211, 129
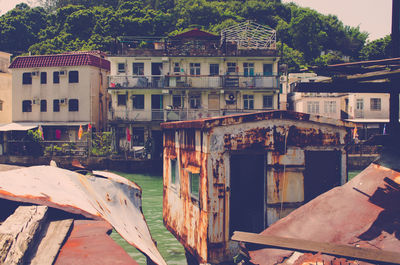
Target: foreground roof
362, 213
59, 60
208, 123
103, 195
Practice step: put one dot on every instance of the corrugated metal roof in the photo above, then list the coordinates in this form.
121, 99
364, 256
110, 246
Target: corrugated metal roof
208, 123
17, 126
106, 195
55, 60
362, 213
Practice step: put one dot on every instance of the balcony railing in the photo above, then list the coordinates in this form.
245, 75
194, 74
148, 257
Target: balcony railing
173, 115
186, 81
126, 81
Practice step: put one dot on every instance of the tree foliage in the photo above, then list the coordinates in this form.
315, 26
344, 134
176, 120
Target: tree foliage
67, 25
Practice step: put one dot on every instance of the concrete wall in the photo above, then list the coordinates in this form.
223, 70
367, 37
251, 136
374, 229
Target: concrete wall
5, 97
367, 113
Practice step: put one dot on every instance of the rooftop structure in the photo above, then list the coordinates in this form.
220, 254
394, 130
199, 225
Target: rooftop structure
244, 172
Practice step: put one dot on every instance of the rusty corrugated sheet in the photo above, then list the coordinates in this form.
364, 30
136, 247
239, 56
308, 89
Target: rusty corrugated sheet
107, 196
343, 215
89, 243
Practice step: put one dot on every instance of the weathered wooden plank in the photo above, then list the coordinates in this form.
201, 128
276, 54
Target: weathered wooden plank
53, 237
18, 233
326, 248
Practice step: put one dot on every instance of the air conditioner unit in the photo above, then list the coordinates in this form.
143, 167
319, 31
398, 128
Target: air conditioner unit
63, 101
63, 72
35, 74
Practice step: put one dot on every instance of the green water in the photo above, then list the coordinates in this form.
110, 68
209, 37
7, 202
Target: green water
152, 192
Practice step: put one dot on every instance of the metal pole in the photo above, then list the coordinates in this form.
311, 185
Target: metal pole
394, 127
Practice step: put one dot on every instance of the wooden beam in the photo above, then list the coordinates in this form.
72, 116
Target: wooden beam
344, 87
312, 246
19, 232
54, 236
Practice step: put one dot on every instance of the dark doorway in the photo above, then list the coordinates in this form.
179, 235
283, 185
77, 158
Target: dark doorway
247, 193
322, 172
156, 70
157, 112
158, 143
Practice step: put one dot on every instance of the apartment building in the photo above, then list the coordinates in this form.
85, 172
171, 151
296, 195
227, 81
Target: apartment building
369, 111
324, 104
60, 92
5, 89
189, 76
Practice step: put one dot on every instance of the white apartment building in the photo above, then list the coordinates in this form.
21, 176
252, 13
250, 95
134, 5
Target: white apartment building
60, 92
189, 76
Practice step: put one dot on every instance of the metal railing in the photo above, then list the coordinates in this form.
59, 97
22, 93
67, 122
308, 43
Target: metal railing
126, 81
174, 114
187, 81
47, 148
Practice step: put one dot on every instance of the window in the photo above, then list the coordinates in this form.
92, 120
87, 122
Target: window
43, 77
56, 77
214, 69
43, 105
121, 68
248, 69
174, 176
56, 105
73, 105
177, 101
359, 104
27, 106
267, 69
121, 100
248, 101
1, 105
330, 106
177, 68
313, 107
138, 136
27, 78
268, 102
73, 77
138, 68
231, 68
138, 102
195, 102
376, 104
195, 68
194, 179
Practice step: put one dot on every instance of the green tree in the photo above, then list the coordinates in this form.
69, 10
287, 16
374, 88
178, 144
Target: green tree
377, 49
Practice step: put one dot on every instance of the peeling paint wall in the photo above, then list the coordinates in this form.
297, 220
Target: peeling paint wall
203, 226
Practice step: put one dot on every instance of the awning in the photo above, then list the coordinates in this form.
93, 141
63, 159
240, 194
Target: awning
17, 126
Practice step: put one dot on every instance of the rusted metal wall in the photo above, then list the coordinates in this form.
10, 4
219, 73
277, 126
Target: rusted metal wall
183, 215
283, 141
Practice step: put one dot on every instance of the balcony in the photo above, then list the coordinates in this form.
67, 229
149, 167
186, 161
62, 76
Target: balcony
136, 81
188, 81
172, 115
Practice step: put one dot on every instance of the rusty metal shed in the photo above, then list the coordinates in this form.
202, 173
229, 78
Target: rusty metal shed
244, 172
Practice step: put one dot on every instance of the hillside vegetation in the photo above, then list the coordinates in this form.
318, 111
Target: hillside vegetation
70, 25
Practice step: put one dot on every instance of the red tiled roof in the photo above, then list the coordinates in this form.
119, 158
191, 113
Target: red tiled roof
54, 60
196, 33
